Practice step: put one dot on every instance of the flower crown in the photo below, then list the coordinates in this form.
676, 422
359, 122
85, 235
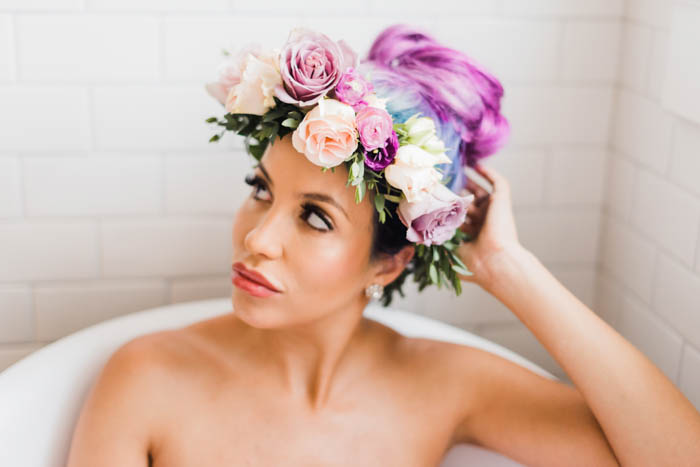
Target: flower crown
312, 88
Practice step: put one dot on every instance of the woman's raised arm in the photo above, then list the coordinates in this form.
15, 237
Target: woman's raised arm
644, 416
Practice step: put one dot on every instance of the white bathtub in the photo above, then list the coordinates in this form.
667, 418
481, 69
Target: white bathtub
41, 395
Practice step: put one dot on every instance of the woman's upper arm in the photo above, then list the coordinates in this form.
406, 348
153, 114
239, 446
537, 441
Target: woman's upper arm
530, 418
117, 418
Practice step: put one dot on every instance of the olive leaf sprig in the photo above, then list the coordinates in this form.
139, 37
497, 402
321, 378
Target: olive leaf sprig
260, 130
434, 264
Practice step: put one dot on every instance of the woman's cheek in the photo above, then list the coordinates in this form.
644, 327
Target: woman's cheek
331, 264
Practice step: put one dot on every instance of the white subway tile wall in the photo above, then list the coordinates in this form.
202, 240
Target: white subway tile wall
649, 279
7, 49
112, 200
10, 189
681, 93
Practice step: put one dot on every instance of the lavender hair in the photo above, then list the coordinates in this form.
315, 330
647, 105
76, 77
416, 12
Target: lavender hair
417, 74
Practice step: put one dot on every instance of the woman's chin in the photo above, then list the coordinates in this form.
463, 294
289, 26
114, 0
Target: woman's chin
249, 312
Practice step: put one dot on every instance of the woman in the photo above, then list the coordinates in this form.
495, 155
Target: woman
297, 376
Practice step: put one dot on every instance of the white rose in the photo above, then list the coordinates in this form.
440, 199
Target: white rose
255, 92
434, 145
421, 132
413, 173
414, 156
373, 101
419, 129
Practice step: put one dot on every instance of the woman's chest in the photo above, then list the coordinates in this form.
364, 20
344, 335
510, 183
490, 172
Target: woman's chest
370, 429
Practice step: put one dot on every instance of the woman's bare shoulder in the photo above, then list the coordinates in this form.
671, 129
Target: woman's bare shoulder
121, 416
169, 350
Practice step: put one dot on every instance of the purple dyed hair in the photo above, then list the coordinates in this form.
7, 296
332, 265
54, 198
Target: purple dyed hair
418, 74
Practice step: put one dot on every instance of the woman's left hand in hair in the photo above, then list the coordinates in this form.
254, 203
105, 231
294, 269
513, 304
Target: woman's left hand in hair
491, 226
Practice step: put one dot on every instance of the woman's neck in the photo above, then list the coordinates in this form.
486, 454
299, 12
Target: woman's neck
314, 359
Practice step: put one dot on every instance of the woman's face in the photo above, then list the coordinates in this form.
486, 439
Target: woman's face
301, 228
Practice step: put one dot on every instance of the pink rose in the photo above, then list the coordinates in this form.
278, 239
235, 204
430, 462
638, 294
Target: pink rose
375, 127
311, 65
434, 219
352, 88
327, 135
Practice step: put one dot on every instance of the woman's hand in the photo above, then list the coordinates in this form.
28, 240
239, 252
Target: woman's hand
491, 226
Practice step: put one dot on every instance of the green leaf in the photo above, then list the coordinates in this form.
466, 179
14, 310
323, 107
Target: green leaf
214, 138
359, 192
296, 115
273, 114
456, 283
211, 119
462, 270
354, 169
436, 254
395, 199
379, 202
290, 123
433, 273
457, 260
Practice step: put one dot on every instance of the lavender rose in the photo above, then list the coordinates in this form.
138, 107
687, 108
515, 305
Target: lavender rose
311, 65
379, 158
434, 219
375, 127
352, 88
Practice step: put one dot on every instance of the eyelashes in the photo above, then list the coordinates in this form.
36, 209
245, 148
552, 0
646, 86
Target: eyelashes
256, 182
309, 209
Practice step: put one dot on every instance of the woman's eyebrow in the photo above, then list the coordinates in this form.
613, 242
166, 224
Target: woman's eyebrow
325, 198
267, 175
315, 196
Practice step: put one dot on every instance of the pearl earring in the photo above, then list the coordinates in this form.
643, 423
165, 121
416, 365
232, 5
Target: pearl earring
374, 291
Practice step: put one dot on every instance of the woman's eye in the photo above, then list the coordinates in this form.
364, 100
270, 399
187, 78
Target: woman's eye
258, 185
315, 219
257, 192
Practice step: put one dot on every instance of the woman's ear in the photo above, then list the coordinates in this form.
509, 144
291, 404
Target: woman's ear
392, 265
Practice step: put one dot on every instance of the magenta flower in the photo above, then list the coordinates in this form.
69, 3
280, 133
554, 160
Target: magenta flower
434, 219
374, 126
352, 88
311, 65
379, 158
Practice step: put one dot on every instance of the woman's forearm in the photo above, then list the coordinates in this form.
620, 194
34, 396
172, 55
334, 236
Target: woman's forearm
646, 419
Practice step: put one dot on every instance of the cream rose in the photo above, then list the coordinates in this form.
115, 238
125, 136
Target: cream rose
373, 101
327, 135
412, 171
421, 132
254, 94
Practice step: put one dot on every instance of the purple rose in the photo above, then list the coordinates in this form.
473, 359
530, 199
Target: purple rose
374, 126
352, 88
434, 219
379, 158
311, 65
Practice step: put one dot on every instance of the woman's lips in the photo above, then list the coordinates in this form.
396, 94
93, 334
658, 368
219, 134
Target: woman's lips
254, 288
252, 281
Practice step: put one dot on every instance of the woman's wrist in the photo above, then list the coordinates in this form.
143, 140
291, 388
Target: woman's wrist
506, 268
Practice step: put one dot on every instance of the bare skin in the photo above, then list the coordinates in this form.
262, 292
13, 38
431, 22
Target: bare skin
302, 379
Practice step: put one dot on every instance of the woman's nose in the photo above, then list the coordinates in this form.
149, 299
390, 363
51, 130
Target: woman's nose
266, 236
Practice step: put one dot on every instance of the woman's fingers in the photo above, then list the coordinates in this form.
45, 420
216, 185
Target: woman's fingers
475, 188
499, 182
